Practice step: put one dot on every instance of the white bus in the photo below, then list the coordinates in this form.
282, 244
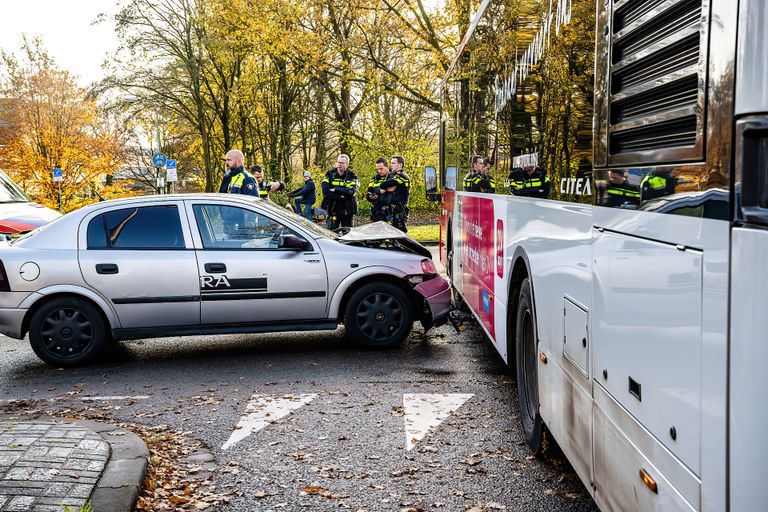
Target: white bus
630, 294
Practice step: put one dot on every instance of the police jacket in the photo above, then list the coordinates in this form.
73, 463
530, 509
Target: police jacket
374, 189
656, 186
306, 192
264, 188
345, 187
479, 182
402, 184
536, 184
239, 181
620, 194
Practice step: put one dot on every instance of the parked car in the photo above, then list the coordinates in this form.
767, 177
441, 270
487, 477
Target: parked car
18, 213
209, 264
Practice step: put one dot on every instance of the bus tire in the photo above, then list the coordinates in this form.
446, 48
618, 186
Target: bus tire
526, 361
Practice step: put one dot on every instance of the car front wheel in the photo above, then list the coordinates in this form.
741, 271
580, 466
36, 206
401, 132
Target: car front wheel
378, 315
67, 332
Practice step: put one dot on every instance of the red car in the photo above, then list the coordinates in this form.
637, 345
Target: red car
18, 213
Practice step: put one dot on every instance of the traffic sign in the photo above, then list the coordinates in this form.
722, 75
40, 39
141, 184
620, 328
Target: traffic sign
58, 174
170, 171
159, 159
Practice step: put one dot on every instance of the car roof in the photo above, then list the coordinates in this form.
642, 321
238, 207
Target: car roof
172, 197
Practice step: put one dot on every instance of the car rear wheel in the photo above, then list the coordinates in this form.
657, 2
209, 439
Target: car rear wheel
67, 332
378, 315
526, 353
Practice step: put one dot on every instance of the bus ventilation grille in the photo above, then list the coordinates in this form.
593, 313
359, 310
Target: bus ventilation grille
656, 81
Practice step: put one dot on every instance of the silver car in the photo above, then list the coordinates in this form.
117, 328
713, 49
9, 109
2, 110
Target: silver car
209, 264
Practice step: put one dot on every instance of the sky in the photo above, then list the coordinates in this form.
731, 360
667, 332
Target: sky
65, 27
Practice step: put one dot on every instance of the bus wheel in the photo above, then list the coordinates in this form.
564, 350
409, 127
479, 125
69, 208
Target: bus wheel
526, 348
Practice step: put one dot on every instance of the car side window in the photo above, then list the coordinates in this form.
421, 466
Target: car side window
230, 227
148, 227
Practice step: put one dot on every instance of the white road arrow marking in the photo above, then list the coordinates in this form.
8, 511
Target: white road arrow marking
264, 410
425, 411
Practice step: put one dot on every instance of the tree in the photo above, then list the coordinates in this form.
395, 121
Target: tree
51, 122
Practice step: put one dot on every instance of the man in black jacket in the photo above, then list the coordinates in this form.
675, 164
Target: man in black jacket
265, 186
379, 197
339, 187
305, 196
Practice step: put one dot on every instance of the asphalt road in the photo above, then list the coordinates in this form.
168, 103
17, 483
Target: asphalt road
346, 448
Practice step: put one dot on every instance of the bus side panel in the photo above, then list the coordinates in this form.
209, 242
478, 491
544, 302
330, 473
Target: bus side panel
446, 214
555, 237
748, 375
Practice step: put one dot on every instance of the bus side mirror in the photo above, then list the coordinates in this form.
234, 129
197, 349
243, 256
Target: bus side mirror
430, 184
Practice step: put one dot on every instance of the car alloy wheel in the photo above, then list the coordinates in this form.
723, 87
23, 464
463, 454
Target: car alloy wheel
378, 315
67, 331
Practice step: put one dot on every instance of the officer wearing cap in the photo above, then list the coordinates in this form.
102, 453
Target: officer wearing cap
305, 196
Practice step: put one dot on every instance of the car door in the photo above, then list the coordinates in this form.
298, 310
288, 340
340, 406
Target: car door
247, 275
140, 258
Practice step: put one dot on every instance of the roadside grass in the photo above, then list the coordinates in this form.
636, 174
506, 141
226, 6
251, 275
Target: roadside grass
427, 233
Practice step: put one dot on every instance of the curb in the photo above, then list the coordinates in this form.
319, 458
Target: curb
119, 486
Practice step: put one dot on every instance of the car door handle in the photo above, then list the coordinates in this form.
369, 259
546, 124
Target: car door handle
215, 268
106, 268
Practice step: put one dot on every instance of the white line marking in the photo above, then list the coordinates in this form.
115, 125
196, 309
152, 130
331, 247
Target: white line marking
264, 410
425, 411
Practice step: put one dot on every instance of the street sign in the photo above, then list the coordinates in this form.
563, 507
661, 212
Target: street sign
57, 174
159, 159
170, 171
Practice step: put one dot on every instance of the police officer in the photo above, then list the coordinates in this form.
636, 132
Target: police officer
654, 186
617, 192
380, 199
529, 181
265, 186
399, 185
236, 179
479, 178
339, 187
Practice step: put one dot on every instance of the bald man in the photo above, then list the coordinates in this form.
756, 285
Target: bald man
236, 179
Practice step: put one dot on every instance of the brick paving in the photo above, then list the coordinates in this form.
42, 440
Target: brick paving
46, 466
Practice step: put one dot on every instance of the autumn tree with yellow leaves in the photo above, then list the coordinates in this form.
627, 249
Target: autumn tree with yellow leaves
48, 121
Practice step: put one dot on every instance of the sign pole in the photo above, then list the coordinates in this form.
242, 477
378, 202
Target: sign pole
58, 175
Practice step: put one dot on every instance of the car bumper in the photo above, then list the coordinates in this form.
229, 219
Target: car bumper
11, 320
437, 301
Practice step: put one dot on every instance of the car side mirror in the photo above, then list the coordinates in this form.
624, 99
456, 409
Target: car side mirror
430, 184
294, 243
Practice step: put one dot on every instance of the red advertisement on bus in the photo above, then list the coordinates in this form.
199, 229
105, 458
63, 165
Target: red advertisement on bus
479, 257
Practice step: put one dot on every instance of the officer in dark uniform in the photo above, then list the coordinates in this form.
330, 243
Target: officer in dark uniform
339, 187
529, 181
380, 199
236, 179
399, 185
617, 192
479, 178
265, 186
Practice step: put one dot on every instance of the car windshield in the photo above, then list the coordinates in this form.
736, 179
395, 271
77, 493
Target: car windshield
302, 222
9, 192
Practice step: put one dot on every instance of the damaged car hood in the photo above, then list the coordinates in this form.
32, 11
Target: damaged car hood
382, 235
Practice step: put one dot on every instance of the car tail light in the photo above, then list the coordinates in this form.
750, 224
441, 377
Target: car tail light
5, 286
428, 267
